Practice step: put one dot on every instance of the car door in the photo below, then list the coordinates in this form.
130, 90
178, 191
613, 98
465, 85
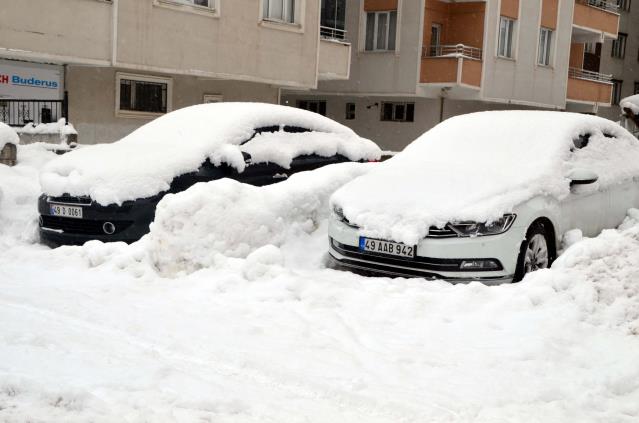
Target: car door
313, 161
587, 206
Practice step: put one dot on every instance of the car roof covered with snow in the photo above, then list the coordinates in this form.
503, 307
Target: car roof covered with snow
631, 103
8, 136
479, 166
145, 162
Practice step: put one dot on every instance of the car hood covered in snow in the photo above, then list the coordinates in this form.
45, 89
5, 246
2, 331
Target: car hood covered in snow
480, 166
145, 162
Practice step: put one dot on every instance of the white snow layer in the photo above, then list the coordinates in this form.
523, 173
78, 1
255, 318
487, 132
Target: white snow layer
144, 163
93, 333
479, 166
631, 103
8, 136
192, 228
60, 127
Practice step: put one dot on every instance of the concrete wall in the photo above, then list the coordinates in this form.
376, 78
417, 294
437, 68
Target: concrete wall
232, 42
393, 135
394, 72
522, 80
92, 100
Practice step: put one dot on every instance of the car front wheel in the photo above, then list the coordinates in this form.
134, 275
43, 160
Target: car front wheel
535, 252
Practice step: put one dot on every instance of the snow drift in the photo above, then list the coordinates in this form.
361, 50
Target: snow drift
233, 219
479, 166
145, 162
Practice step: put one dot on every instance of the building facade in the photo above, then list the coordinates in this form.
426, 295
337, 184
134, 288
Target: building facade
113, 65
416, 63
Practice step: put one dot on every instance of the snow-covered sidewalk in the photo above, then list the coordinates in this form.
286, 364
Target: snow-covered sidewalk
96, 333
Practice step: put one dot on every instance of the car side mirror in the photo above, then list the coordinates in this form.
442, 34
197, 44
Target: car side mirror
582, 177
247, 157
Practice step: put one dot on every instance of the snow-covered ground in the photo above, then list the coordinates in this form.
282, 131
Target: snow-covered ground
98, 333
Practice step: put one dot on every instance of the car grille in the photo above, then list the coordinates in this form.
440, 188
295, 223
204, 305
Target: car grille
81, 226
417, 263
68, 199
445, 232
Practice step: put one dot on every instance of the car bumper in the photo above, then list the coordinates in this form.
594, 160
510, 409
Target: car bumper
436, 258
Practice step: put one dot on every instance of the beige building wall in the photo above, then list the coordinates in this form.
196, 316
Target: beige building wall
93, 100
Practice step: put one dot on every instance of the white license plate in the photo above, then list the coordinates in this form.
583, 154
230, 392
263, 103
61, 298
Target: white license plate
65, 211
386, 247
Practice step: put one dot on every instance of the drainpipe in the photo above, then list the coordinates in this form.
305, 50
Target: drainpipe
441, 108
114, 32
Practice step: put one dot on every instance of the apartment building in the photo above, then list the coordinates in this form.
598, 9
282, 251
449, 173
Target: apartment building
416, 63
112, 65
619, 58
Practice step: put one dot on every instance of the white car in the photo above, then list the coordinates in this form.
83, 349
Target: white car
486, 197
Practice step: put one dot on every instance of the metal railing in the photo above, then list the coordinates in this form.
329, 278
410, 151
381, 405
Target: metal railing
329, 33
589, 75
457, 50
22, 112
607, 5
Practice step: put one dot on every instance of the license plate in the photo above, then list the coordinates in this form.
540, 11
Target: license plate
386, 247
65, 211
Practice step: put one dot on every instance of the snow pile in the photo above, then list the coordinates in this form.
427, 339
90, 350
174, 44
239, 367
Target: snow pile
60, 127
480, 166
8, 136
258, 340
146, 161
631, 103
19, 191
228, 218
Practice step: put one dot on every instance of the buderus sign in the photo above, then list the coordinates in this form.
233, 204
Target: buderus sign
33, 81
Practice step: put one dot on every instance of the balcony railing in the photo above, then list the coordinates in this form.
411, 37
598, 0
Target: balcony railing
22, 112
607, 5
589, 75
457, 50
329, 33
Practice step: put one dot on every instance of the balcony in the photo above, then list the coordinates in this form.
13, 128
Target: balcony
589, 87
334, 54
452, 65
594, 19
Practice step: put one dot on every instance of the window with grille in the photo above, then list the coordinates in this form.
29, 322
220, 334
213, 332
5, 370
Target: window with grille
381, 30
140, 93
506, 36
279, 10
397, 112
616, 91
350, 111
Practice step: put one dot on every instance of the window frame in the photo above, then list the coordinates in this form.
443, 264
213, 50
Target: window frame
387, 39
618, 50
636, 88
617, 86
545, 47
321, 105
211, 10
624, 5
119, 76
394, 104
350, 111
293, 4
508, 40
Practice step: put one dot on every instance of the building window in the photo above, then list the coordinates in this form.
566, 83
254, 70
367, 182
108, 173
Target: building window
317, 106
279, 10
624, 5
545, 44
616, 91
143, 94
619, 46
381, 28
350, 111
333, 19
506, 34
397, 112
636, 90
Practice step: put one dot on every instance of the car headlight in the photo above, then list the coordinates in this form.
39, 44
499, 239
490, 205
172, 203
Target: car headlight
339, 212
496, 227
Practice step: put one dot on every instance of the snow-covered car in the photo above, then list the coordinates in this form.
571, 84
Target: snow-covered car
109, 192
486, 197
